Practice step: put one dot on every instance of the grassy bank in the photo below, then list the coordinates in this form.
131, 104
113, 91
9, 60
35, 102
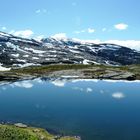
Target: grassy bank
11, 132
48, 68
131, 72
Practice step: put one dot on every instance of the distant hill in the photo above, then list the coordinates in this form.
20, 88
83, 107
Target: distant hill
21, 52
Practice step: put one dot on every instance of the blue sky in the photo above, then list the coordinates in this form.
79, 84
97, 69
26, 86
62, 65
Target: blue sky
83, 19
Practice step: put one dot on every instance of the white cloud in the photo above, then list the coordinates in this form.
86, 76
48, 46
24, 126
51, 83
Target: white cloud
59, 36
96, 41
23, 84
38, 38
78, 32
85, 80
89, 90
4, 28
12, 31
133, 44
22, 33
38, 11
118, 95
104, 29
38, 80
121, 81
78, 88
59, 83
41, 11
90, 30
82, 89
121, 26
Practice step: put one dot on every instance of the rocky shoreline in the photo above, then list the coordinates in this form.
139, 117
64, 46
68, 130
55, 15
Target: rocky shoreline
73, 72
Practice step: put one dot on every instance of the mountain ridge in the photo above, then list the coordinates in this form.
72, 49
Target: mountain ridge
21, 52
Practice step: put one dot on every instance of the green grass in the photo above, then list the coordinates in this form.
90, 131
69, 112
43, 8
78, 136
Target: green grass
49, 68
92, 71
11, 132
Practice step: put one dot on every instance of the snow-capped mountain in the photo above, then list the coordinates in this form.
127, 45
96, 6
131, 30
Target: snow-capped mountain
20, 52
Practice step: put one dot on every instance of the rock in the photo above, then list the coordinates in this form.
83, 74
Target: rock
36, 130
21, 125
68, 137
42, 137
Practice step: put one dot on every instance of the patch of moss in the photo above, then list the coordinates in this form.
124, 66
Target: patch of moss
48, 68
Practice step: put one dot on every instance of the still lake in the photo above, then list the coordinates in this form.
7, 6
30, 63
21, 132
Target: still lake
92, 109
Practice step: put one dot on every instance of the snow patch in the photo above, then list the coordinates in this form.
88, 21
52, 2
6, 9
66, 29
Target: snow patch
4, 34
9, 44
49, 45
20, 60
35, 58
74, 51
40, 55
15, 55
25, 56
85, 62
34, 51
15, 47
50, 59
70, 76
21, 40
92, 49
3, 68
26, 65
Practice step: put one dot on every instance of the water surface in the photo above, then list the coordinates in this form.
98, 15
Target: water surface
92, 109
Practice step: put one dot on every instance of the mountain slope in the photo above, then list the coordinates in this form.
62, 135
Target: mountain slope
21, 52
